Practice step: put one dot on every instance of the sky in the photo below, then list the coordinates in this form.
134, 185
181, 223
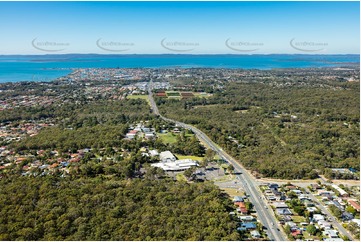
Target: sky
180, 27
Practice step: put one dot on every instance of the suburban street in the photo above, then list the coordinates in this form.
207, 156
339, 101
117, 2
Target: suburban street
265, 214
334, 221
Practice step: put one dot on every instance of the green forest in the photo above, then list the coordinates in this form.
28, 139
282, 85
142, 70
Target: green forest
281, 132
51, 208
105, 196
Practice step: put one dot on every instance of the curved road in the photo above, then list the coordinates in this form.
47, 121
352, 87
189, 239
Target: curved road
265, 213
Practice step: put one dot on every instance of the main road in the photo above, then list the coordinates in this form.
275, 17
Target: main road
265, 213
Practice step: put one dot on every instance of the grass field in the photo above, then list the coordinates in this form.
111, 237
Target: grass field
199, 94
306, 235
168, 138
233, 192
145, 97
197, 158
173, 94
298, 219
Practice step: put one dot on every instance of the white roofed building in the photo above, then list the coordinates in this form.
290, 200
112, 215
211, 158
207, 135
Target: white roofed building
342, 192
167, 156
153, 153
178, 165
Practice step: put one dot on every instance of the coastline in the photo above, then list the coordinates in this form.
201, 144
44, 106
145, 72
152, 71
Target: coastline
17, 68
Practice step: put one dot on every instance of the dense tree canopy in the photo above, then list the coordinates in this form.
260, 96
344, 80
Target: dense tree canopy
50, 208
283, 132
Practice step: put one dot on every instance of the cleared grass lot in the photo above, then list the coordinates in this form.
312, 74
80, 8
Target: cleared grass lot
168, 138
197, 158
298, 219
144, 97
233, 192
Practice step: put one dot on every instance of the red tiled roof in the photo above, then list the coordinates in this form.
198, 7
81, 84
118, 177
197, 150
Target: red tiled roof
243, 210
54, 165
354, 204
297, 232
241, 205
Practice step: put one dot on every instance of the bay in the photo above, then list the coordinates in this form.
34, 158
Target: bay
15, 68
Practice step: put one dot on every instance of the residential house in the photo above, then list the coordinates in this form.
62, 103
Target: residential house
291, 187
271, 198
308, 203
322, 192
315, 186
146, 130
280, 205
292, 225
273, 185
311, 209
248, 225
242, 208
287, 218
355, 205
326, 197
237, 199
324, 224
338, 205
330, 233
296, 232
283, 211
342, 192
318, 217
149, 135
131, 134
298, 192
347, 216
241, 229
255, 234
303, 197
247, 218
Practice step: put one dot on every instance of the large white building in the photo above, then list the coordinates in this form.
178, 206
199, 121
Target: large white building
170, 163
167, 156
178, 165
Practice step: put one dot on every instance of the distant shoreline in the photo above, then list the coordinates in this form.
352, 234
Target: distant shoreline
165, 55
16, 68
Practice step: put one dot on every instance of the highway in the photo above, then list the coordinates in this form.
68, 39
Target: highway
264, 212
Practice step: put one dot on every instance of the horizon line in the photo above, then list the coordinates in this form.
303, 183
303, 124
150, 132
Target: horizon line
178, 54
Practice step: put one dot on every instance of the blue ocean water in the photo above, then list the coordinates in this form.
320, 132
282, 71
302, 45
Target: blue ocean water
49, 67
